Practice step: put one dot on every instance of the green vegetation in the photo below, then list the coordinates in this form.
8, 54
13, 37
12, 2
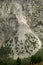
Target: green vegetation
26, 61
40, 53
18, 62
6, 50
35, 59
8, 61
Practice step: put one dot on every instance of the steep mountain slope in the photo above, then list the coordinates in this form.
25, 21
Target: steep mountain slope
15, 25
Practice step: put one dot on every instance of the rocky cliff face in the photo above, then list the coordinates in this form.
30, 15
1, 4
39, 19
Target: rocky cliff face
21, 24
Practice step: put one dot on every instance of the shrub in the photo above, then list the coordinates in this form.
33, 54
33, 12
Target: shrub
35, 59
18, 61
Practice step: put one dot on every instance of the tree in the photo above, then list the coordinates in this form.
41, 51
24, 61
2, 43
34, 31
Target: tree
5, 50
35, 59
18, 61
